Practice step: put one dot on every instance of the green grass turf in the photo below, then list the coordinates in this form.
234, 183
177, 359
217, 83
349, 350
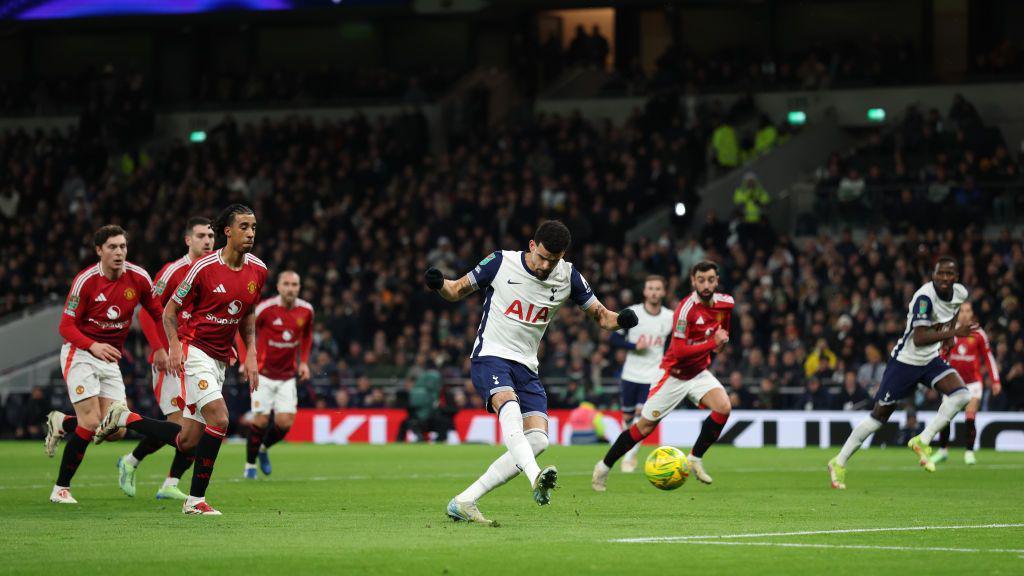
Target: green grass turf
380, 509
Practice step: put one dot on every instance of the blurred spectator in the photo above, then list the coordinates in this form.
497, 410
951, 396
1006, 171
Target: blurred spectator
852, 396
815, 396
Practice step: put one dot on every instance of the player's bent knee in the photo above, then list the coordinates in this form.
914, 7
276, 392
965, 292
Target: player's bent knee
645, 426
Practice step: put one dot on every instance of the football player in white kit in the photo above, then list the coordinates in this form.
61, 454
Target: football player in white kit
645, 343
523, 293
931, 321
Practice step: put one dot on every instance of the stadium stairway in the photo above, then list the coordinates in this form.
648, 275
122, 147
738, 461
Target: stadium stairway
781, 172
29, 348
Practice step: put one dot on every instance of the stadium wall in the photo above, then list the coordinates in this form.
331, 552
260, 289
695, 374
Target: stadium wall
746, 428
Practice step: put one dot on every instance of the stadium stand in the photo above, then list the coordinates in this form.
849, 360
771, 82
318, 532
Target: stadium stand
360, 208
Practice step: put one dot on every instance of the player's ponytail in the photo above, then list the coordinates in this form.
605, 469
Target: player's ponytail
227, 217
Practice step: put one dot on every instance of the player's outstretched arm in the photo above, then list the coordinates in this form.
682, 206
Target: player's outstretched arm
450, 290
609, 320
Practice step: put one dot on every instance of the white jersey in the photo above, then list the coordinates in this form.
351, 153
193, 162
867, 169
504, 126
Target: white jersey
518, 306
653, 330
927, 309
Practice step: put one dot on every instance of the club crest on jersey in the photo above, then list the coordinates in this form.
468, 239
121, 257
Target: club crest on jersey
129, 294
533, 314
183, 289
300, 322
234, 307
251, 287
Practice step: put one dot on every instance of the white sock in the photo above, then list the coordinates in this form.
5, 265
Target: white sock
193, 500
866, 428
951, 404
602, 466
170, 482
131, 459
511, 419
250, 466
503, 469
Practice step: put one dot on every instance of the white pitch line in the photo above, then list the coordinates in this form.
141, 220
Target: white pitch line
656, 539
853, 546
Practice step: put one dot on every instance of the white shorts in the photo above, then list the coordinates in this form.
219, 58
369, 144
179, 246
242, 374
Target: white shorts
204, 378
669, 392
88, 376
275, 395
167, 388
975, 389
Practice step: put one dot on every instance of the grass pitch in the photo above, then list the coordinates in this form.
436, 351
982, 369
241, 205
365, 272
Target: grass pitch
380, 510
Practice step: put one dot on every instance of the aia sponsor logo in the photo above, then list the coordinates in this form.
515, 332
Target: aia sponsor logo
532, 314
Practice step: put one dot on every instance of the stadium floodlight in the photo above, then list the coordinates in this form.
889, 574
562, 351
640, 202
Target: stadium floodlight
197, 136
876, 114
680, 209
796, 117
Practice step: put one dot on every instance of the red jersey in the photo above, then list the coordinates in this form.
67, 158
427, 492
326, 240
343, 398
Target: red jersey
966, 355
167, 280
100, 310
217, 298
279, 332
689, 352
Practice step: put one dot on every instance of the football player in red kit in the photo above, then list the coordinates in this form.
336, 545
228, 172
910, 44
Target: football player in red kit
220, 292
199, 238
284, 326
94, 325
966, 356
700, 327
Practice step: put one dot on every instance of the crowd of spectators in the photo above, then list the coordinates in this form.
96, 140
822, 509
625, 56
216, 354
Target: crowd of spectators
951, 170
98, 88
360, 209
877, 61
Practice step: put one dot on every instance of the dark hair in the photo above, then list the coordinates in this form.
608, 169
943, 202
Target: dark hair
194, 221
227, 217
554, 236
703, 266
100, 237
657, 278
946, 259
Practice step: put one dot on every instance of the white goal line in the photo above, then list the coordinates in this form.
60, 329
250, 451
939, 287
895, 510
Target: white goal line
713, 537
850, 546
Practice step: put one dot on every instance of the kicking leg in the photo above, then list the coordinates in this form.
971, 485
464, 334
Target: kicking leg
463, 506
837, 465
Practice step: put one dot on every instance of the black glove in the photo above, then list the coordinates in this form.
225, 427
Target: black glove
628, 319
435, 279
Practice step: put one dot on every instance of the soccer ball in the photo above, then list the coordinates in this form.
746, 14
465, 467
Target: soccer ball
667, 468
